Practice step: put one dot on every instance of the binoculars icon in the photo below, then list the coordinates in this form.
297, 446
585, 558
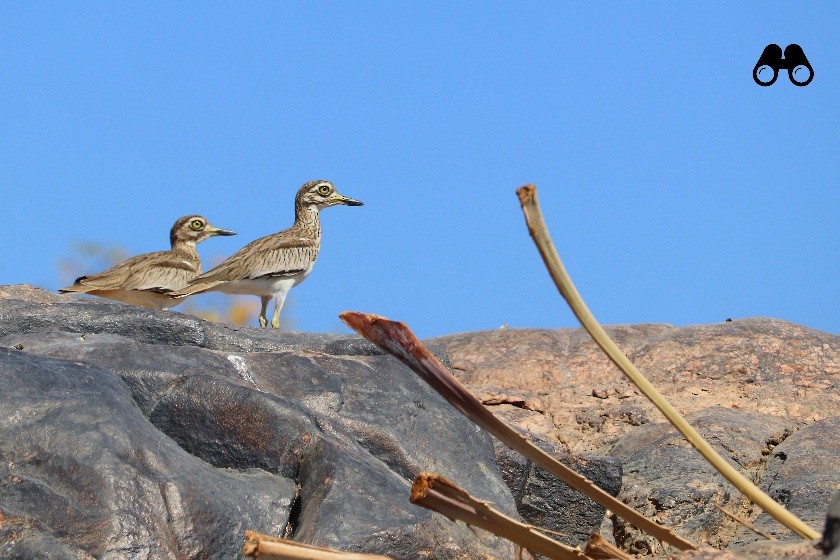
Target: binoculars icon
795, 62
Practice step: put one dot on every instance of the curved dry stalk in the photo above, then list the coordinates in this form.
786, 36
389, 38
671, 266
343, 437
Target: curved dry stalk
542, 239
397, 339
436, 493
267, 547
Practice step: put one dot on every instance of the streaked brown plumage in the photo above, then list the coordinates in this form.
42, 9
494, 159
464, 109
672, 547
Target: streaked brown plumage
271, 266
146, 279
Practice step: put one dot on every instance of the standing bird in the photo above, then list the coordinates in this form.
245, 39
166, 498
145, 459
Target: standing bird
272, 265
146, 279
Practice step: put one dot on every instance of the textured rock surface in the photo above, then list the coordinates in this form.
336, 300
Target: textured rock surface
763, 550
26, 309
667, 480
83, 473
757, 365
766, 393
129, 433
803, 474
544, 501
831, 532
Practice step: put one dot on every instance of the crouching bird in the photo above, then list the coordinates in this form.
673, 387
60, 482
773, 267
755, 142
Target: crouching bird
147, 279
271, 266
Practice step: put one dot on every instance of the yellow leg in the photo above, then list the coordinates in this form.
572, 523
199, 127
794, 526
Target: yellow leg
279, 299
263, 320
275, 321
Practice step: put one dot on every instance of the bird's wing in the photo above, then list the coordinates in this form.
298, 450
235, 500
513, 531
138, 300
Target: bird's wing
162, 271
274, 255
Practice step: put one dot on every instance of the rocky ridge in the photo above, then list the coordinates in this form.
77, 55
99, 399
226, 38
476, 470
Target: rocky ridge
764, 392
131, 433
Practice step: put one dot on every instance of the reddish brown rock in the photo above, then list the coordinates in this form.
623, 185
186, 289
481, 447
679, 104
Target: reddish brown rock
764, 550
751, 385
758, 365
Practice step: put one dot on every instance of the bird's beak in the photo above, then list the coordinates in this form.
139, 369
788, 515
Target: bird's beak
347, 200
218, 231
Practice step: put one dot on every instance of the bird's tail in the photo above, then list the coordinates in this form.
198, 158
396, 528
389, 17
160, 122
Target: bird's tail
193, 289
75, 289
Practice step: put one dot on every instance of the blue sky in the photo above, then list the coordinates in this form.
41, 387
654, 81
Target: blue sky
676, 189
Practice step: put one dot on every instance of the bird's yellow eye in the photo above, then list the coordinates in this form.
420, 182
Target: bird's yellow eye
324, 190
196, 225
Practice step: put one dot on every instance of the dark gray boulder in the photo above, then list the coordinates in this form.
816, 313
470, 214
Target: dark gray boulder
668, 480
131, 433
801, 474
83, 473
26, 309
545, 501
831, 532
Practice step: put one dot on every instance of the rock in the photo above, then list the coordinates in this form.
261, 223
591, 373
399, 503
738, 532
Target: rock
666, 479
338, 429
751, 384
600, 393
84, 474
544, 501
761, 550
831, 533
540, 498
534, 424
802, 474
137, 433
757, 365
28, 309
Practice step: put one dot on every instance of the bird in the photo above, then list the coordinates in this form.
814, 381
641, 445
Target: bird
146, 279
272, 265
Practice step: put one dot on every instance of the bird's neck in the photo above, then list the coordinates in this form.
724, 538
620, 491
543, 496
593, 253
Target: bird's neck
186, 249
308, 221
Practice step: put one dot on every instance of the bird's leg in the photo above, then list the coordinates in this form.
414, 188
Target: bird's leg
279, 299
264, 300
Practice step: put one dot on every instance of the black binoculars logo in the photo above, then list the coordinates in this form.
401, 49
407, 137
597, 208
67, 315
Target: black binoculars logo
770, 62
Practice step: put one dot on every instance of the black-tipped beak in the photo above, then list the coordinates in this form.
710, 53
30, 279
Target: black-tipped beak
351, 201
220, 231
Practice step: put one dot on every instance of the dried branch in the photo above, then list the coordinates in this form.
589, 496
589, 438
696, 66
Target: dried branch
397, 339
598, 548
542, 239
745, 523
438, 494
267, 547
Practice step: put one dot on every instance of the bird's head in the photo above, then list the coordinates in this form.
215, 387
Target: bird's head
322, 194
194, 229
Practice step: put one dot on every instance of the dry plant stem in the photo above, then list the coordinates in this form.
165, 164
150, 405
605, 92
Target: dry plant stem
438, 494
746, 524
398, 340
539, 232
267, 547
598, 548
